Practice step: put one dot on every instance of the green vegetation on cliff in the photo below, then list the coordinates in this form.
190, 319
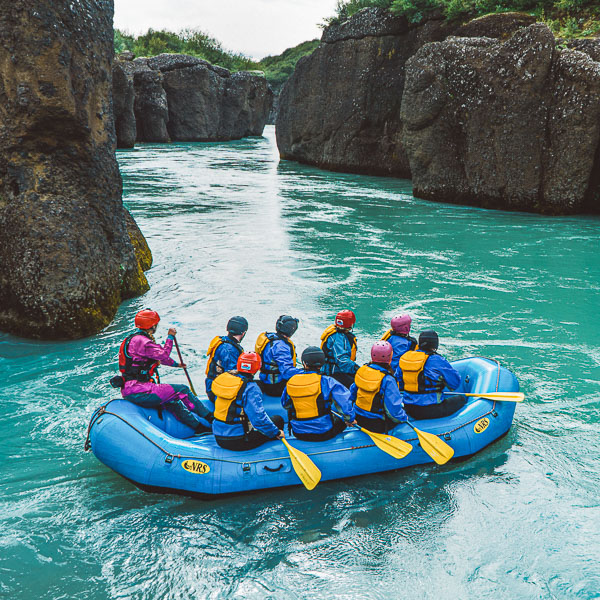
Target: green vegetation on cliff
187, 41
567, 18
277, 69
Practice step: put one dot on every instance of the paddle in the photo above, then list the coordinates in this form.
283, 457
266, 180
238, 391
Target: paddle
184, 369
305, 468
388, 443
500, 396
436, 448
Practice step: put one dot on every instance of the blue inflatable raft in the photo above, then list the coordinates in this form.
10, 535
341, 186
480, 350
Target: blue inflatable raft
158, 454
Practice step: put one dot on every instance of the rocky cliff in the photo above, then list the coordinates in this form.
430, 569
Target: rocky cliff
361, 104
340, 109
67, 245
512, 124
183, 98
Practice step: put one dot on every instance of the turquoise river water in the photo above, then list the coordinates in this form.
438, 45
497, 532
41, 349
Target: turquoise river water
233, 230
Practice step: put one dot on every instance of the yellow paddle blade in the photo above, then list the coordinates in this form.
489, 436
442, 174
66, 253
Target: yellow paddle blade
501, 396
392, 445
436, 448
305, 468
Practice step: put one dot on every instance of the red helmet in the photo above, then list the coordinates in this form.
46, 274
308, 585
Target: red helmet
248, 362
146, 319
401, 324
381, 352
345, 319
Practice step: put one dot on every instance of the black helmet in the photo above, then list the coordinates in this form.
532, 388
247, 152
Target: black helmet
429, 340
237, 325
286, 325
313, 356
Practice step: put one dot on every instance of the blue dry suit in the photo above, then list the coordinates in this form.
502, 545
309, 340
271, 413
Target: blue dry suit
437, 372
278, 352
338, 355
225, 359
250, 401
390, 399
400, 345
332, 395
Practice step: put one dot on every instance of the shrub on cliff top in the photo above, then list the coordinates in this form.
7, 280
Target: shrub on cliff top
277, 69
187, 41
567, 18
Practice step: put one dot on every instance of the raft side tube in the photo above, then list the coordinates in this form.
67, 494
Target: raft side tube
152, 452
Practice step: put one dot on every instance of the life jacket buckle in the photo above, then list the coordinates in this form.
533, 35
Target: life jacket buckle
169, 458
246, 467
447, 437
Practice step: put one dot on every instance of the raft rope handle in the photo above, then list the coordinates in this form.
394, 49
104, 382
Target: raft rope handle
96, 415
102, 411
490, 412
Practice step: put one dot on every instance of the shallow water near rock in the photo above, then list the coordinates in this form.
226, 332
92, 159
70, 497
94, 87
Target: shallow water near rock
235, 231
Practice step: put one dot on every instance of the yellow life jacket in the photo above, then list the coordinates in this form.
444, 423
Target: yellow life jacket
386, 336
261, 343
265, 338
212, 348
412, 364
304, 390
227, 388
368, 381
333, 329
213, 369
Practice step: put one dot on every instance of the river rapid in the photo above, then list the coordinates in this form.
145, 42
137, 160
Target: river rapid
234, 231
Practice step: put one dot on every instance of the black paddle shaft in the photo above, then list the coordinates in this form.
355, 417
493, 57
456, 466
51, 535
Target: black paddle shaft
184, 369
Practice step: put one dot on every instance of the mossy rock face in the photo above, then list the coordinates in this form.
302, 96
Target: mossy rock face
66, 257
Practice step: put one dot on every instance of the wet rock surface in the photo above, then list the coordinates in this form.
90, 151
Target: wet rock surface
184, 98
66, 256
505, 125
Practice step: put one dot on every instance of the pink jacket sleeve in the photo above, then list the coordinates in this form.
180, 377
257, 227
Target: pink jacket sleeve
159, 353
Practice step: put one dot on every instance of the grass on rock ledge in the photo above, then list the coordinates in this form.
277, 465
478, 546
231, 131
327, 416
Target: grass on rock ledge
566, 18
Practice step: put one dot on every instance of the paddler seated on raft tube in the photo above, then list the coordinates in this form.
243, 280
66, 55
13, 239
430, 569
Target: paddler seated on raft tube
224, 350
241, 422
399, 337
278, 356
139, 357
309, 398
422, 374
377, 399
339, 345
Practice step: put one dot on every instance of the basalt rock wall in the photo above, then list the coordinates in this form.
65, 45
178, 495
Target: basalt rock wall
494, 112
340, 109
184, 98
67, 245
512, 124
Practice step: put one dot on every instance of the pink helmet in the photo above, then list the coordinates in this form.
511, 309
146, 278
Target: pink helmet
401, 324
381, 352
